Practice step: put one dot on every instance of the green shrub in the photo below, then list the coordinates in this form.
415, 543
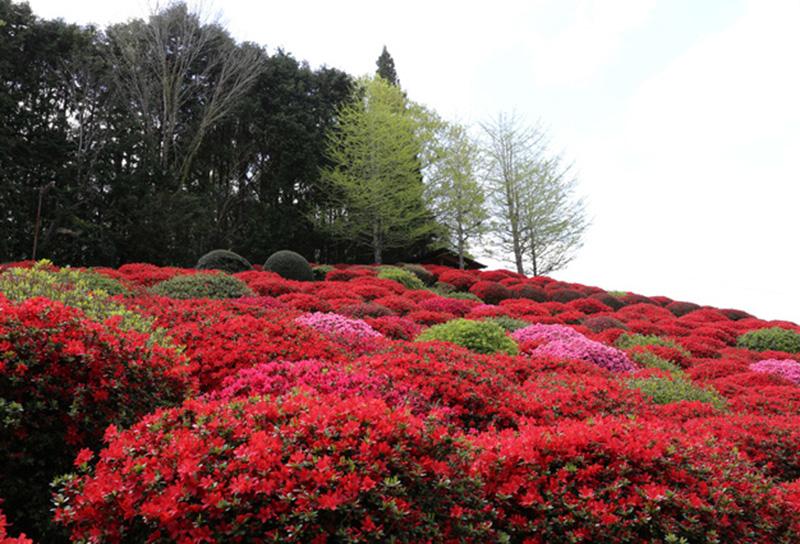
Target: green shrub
647, 359
403, 277
509, 324
289, 265
479, 336
320, 272
772, 339
86, 290
202, 286
222, 259
461, 296
427, 277
631, 340
675, 389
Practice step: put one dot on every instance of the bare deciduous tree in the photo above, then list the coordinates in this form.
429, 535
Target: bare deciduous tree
538, 220
181, 76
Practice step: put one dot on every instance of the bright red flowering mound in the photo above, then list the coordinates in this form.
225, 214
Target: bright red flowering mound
63, 380
313, 416
296, 468
617, 481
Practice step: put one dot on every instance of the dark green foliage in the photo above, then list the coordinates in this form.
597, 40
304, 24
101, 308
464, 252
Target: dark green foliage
771, 339
386, 69
202, 286
479, 336
222, 259
289, 265
116, 198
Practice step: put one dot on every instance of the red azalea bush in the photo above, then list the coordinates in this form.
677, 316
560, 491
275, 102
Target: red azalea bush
296, 469
490, 292
5, 538
618, 481
315, 418
63, 379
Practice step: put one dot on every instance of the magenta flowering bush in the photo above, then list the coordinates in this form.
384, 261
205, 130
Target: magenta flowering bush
546, 333
785, 368
563, 342
318, 376
351, 332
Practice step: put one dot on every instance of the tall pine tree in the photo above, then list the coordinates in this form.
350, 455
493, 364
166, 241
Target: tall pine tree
386, 68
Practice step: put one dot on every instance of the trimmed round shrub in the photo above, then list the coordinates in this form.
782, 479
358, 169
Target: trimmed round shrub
666, 390
565, 295
63, 380
602, 323
293, 469
509, 324
403, 277
530, 292
490, 292
478, 336
203, 286
459, 279
426, 276
289, 265
320, 272
224, 260
682, 308
771, 339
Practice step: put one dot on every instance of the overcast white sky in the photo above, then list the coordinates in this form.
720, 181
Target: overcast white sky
682, 117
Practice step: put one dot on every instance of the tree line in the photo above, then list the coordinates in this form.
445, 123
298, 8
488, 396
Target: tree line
159, 139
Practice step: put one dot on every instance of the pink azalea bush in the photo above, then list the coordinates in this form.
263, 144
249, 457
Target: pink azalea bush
785, 368
563, 342
351, 332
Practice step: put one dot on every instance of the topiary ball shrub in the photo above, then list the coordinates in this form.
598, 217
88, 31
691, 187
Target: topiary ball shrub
202, 286
771, 339
491, 292
405, 278
293, 469
224, 260
289, 265
478, 336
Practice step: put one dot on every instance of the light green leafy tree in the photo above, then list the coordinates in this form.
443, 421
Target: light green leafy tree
378, 150
454, 192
